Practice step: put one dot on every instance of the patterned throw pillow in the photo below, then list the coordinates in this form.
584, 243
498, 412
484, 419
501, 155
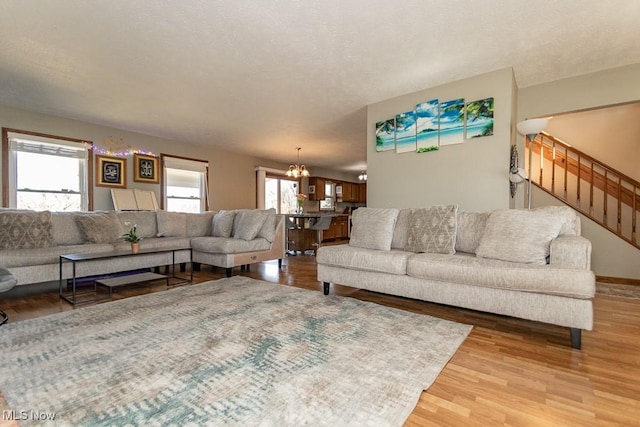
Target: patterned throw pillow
100, 227
433, 230
25, 229
373, 228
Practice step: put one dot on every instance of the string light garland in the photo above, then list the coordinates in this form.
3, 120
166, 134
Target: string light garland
117, 148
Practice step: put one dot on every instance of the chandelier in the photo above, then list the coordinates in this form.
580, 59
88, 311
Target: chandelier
362, 176
297, 170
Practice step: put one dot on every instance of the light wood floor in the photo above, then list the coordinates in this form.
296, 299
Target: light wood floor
507, 372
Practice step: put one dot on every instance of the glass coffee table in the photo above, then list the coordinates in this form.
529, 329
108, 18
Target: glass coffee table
72, 297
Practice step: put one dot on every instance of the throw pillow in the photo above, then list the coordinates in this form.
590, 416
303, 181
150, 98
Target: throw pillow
268, 230
568, 217
171, 224
249, 224
25, 230
100, 227
373, 228
471, 226
519, 236
222, 224
432, 230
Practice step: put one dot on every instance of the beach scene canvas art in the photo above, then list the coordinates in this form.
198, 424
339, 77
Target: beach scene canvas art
406, 132
386, 135
452, 122
427, 138
479, 121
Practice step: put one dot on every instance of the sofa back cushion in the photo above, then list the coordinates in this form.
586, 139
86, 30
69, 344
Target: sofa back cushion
25, 229
247, 223
268, 229
401, 229
199, 224
432, 230
519, 235
146, 222
171, 224
64, 229
222, 223
567, 216
373, 228
471, 226
100, 227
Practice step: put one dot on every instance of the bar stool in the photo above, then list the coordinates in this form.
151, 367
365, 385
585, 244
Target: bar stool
323, 223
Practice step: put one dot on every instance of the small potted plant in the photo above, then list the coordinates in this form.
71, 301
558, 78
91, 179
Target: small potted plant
301, 198
133, 238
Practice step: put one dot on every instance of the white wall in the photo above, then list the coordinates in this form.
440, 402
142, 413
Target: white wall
473, 175
611, 256
232, 179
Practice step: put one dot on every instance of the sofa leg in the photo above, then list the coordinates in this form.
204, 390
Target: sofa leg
326, 286
280, 264
242, 268
195, 266
183, 267
228, 271
576, 338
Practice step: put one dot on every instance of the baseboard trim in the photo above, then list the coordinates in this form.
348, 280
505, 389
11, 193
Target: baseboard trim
618, 280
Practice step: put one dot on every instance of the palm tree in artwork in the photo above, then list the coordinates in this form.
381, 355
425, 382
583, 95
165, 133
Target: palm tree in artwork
388, 127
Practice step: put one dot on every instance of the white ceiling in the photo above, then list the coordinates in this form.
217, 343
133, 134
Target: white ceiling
265, 76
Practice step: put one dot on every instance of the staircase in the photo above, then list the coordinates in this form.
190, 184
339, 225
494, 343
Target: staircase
608, 197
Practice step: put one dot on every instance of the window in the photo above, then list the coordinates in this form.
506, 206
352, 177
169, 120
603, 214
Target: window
280, 194
45, 172
329, 203
185, 184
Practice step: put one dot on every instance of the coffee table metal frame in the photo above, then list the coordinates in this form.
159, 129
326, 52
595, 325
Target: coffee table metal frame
77, 258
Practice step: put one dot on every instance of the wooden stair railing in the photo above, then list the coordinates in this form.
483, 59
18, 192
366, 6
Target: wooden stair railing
593, 188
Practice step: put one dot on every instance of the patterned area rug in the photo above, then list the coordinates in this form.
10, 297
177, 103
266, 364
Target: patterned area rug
234, 351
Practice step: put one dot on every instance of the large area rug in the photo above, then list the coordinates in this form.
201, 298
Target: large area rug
234, 351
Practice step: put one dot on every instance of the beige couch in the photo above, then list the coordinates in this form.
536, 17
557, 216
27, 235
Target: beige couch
31, 242
528, 264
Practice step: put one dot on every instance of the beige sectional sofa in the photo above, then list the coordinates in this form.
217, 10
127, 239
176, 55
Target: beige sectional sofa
531, 264
31, 242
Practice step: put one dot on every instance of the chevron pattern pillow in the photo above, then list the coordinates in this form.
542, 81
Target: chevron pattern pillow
433, 230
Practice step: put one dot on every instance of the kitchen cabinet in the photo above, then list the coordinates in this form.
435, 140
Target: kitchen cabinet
317, 188
339, 228
347, 192
362, 193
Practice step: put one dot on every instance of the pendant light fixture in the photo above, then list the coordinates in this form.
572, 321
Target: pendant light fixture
297, 170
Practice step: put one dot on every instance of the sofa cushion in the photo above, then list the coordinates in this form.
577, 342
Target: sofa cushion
432, 230
229, 245
519, 235
268, 229
99, 227
373, 228
51, 255
567, 216
249, 223
25, 229
347, 256
145, 221
171, 224
471, 226
199, 224
222, 223
158, 243
64, 228
470, 270
401, 229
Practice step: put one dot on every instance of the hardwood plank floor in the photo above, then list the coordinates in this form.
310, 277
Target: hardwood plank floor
508, 371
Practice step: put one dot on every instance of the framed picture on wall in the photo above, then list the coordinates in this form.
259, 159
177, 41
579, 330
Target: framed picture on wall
111, 172
145, 168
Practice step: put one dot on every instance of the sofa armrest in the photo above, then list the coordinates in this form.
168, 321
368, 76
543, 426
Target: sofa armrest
570, 251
